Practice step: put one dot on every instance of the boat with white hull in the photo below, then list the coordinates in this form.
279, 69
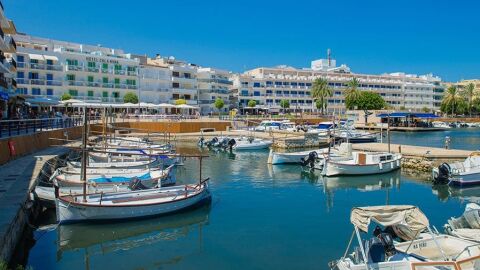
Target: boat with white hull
276, 158
244, 143
460, 174
362, 163
141, 164
108, 177
418, 246
130, 205
466, 226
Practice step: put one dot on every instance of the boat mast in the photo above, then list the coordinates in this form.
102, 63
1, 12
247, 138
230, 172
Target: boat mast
84, 153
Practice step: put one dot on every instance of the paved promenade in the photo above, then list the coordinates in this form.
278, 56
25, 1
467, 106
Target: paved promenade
17, 178
414, 151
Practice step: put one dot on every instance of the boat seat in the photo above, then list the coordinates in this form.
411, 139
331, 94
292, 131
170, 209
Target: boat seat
375, 250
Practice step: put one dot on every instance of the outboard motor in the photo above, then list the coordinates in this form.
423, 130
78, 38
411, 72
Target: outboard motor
309, 161
212, 142
443, 174
231, 143
136, 184
224, 143
387, 242
201, 141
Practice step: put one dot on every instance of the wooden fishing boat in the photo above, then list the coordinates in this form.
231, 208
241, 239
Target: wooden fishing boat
131, 204
362, 163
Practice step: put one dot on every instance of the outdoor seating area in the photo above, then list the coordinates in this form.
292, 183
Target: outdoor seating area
407, 119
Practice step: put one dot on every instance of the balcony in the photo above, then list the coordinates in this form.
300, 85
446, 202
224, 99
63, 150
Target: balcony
37, 66
119, 72
54, 83
22, 81
93, 84
106, 70
93, 69
131, 73
21, 65
131, 86
75, 83
107, 85
74, 68
54, 67
37, 81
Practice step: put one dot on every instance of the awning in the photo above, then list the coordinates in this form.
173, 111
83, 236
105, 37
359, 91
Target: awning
405, 115
165, 105
185, 106
408, 216
50, 57
36, 57
42, 101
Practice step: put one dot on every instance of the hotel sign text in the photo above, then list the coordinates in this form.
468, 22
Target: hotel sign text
101, 60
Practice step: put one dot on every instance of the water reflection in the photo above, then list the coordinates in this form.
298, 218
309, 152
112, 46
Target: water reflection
104, 239
445, 192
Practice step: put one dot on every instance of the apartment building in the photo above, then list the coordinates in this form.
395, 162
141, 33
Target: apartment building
8, 64
91, 73
213, 84
268, 86
154, 81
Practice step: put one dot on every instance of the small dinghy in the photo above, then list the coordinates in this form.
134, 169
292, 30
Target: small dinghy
460, 174
249, 143
130, 204
468, 225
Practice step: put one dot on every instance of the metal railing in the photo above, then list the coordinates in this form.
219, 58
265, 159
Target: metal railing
10, 128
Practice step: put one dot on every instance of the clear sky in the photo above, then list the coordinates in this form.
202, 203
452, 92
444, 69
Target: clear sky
412, 36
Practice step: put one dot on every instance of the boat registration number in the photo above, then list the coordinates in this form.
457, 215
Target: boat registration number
420, 245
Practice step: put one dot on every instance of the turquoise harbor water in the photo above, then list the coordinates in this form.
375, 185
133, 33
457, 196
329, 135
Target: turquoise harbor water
261, 217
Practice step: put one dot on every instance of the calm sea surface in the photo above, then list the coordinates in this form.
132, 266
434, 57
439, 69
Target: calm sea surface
261, 217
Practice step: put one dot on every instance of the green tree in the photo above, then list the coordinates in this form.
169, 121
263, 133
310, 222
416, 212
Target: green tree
130, 97
285, 104
219, 103
180, 101
370, 101
452, 101
66, 96
425, 109
320, 92
252, 103
470, 95
352, 94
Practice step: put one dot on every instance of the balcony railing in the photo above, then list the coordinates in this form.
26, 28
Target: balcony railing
93, 69
119, 72
20, 64
75, 83
37, 81
131, 86
54, 67
54, 83
131, 73
105, 70
37, 66
107, 85
74, 68
22, 81
93, 84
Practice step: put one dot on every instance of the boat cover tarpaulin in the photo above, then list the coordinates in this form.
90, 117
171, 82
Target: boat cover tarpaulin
119, 179
406, 215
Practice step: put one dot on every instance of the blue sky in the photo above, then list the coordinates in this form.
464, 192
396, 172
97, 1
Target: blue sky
420, 37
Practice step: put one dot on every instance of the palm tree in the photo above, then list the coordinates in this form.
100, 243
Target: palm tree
470, 95
320, 91
352, 94
452, 98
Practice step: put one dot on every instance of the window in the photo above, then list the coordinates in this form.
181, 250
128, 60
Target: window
256, 93
131, 69
20, 75
244, 92
131, 82
90, 93
256, 84
33, 75
73, 93
187, 75
49, 77
175, 85
176, 96
70, 77
118, 67
49, 62
105, 79
91, 64
35, 91
72, 62
176, 74
20, 58
117, 81
105, 94
90, 78
115, 94
104, 66
49, 92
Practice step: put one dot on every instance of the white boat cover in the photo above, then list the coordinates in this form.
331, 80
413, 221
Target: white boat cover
407, 216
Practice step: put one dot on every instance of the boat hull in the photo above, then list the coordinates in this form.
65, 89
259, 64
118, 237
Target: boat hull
72, 212
334, 168
466, 180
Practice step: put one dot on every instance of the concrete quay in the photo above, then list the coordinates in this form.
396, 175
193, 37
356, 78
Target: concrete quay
414, 151
17, 179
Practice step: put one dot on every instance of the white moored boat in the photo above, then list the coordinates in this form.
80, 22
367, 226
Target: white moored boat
275, 158
130, 205
460, 174
244, 143
361, 163
149, 177
468, 225
417, 246
112, 165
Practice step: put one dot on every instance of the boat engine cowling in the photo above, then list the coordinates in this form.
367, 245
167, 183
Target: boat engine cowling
309, 161
136, 184
212, 142
231, 143
443, 174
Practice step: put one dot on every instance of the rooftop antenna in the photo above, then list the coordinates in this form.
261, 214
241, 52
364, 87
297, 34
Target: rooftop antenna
329, 54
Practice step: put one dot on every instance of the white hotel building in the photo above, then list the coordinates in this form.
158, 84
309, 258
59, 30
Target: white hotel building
92, 73
268, 86
212, 84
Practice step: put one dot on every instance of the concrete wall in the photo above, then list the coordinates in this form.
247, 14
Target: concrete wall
27, 144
